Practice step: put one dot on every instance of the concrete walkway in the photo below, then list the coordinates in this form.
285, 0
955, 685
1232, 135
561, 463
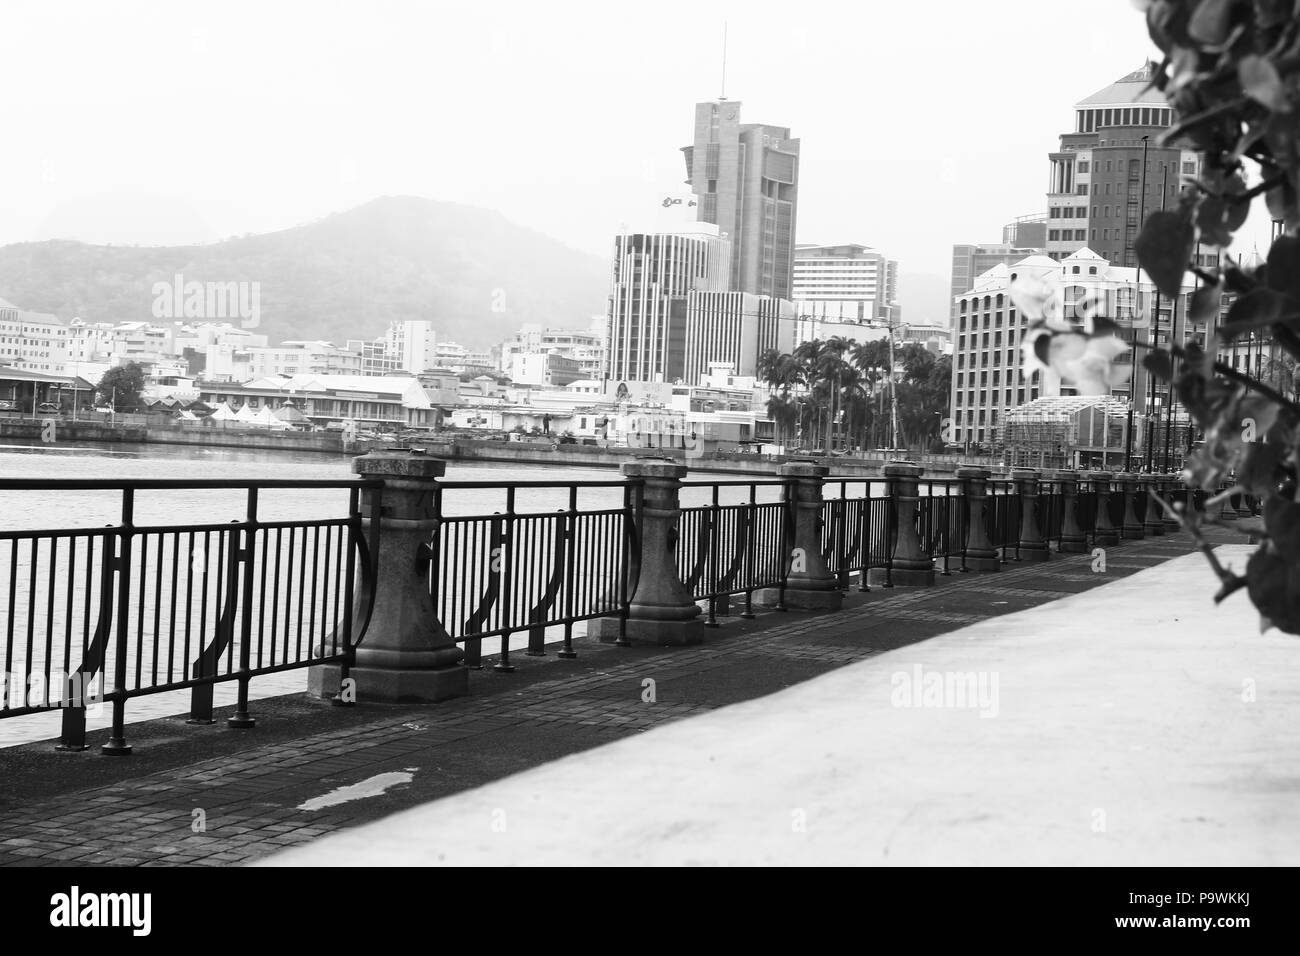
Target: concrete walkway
1132, 724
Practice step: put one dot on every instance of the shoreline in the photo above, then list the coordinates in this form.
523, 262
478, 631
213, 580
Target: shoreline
59, 431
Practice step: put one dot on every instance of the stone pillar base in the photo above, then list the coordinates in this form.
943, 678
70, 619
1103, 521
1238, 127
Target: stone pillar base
641, 631
802, 599
388, 685
1034, 554
1074, 545
1106, 539
1134, 533
902, 577
983, 562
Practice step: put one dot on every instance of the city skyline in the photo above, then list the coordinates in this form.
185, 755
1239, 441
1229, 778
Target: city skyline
536, 84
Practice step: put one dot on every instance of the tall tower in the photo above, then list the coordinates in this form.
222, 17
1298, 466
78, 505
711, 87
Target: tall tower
747, 179
1100, 188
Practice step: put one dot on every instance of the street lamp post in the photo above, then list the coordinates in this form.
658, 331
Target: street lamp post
1132, 385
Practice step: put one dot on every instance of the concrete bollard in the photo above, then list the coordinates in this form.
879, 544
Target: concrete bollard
660, 611
1031, 547
1073, 540
980, 553
1130, 528
809, 583
909, 565
406, 654
1153, 523
1104, 531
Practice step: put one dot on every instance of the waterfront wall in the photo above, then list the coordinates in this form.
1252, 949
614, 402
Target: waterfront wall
613, 456
217, 436
38, 429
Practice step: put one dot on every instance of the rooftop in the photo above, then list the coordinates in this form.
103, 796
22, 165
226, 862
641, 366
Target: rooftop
1134, 88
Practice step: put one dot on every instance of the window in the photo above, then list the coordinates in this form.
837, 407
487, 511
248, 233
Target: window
1079, 235
1092, 270
1053, 235
1054, 212
1190, 168
1067, 212
1082, 166
1081, 189
1094, 234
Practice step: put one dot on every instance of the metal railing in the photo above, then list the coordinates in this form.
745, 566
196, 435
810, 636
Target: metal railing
110, 614
141, 608
526, 570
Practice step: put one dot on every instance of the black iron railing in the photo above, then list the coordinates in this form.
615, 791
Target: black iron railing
525, 569
736, 544
137, 607
110, 614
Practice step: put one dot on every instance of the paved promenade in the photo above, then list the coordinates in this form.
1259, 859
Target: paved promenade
1126, 700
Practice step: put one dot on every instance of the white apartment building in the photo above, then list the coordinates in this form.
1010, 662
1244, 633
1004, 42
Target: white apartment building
846, 283
302, 358
585, 346
987, 380
32, 341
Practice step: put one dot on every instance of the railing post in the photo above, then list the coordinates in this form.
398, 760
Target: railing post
1153, 522
117, 745
980, 553
659, 611
1104, 532
909, 566
1132, 528
1073, 540
809, 583
406, 654
1030, 546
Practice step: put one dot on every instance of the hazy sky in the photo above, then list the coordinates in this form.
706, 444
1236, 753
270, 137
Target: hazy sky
922, 123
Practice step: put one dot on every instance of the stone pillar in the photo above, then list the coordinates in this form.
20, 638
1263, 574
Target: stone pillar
809, 584
660, 611
1153, 524
980, 553
1132, 528
1031, 547
1073, 540
1104, 532
909, 566
406, 655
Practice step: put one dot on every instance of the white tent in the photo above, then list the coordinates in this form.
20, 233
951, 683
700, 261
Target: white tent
267, 419
222, 413
185, 415
245, 414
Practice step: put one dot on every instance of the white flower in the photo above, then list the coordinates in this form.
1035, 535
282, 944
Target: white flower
1040, 299
1086, 362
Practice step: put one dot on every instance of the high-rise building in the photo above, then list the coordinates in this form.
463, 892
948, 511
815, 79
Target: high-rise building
845, 284
734, 328
1100, 187
654, 273
746, 176
970, 261
987, 376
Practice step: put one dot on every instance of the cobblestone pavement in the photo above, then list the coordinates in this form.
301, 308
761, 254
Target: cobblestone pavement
212, 796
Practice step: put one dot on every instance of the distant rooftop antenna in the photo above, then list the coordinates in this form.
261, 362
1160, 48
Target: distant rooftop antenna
723, 94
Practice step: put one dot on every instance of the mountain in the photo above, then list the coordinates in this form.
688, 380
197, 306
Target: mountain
474, 274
